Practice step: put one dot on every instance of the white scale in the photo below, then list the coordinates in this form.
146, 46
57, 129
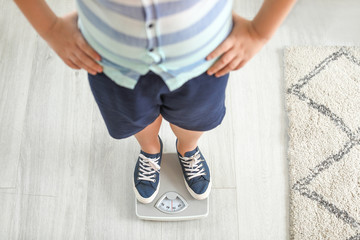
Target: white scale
173, 201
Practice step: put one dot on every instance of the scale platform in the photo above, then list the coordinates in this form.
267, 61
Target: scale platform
173, 201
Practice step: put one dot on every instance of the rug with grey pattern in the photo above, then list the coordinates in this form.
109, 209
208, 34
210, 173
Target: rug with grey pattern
322, 101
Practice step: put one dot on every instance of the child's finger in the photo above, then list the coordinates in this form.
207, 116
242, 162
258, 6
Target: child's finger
241, 64
80, 63
71, 64
83, 45
87, 61
221, 62
223, 47
229, 67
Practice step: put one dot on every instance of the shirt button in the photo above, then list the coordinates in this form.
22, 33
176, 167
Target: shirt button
150, 25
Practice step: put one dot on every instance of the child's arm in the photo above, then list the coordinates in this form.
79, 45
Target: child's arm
38, 14
248, 37
61, 34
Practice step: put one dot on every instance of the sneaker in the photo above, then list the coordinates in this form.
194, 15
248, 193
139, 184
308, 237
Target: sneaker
146, 182
196, 173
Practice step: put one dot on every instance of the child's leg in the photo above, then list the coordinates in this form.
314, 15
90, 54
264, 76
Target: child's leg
187, 140
148, 137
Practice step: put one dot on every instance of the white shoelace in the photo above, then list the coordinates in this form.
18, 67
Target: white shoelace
190, 162
148, 166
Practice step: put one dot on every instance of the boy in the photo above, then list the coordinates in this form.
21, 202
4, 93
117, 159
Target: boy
150, 59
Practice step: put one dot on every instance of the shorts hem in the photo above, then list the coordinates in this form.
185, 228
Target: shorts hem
202, 129
116, 136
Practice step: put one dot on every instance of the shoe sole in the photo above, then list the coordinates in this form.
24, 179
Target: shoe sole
141, 198
201, 196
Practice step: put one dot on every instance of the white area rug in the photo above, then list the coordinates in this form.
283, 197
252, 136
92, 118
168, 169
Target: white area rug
323, 106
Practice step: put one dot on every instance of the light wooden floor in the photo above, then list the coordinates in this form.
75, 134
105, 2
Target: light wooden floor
63, 177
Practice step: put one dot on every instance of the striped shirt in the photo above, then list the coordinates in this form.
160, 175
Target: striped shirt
172, 38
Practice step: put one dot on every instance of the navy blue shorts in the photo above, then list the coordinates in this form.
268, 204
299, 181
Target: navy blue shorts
198, 105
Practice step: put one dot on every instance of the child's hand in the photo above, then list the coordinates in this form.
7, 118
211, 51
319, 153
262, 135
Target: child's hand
67, 41
238, 48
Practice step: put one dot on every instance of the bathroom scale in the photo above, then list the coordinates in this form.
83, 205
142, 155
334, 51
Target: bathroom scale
173, 201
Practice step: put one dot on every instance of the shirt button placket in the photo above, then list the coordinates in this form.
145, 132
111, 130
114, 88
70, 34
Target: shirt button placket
151, 32
151, 29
